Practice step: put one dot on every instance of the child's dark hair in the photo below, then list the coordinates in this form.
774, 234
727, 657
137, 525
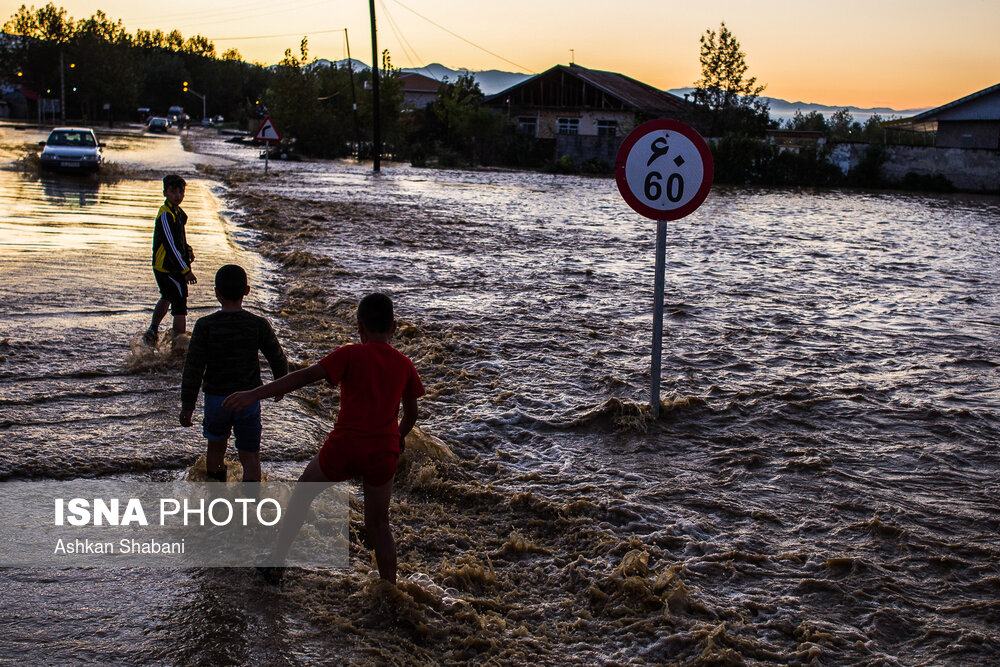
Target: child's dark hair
231, 282
375, 312
173, 181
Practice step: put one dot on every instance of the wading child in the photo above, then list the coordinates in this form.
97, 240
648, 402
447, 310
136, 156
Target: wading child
223, 356
366, 440
172, 258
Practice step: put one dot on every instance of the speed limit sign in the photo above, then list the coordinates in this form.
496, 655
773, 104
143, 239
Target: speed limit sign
664, 169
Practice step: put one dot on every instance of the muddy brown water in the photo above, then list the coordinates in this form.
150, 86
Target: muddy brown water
821, 487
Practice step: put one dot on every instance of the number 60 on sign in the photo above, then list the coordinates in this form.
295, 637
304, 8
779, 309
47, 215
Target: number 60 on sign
664, 169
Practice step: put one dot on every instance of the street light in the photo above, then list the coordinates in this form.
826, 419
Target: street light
197, 94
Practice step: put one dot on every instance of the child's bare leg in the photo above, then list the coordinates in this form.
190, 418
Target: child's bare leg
159, 312
180, 324
298, 508
215, 456
378, 528
251, 465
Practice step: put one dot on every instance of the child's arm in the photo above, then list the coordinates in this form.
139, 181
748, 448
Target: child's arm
407, 421
194, 373
275, 356
300, 378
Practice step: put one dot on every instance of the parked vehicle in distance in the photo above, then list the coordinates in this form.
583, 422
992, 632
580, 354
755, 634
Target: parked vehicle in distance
72, 148
158, 124
174, 114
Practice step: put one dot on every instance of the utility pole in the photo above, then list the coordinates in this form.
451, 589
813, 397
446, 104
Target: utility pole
377, 135
354, 97
62, 88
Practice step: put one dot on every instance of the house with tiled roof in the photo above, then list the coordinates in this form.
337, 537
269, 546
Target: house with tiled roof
588, 112
574, 100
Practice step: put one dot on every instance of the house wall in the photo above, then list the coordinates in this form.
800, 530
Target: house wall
418, 99
967, 168
581, 148
968, 134
548, 121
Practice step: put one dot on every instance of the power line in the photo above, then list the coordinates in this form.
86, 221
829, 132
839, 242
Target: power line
287, 34
231, 10
454, 34
403, 42
245, 15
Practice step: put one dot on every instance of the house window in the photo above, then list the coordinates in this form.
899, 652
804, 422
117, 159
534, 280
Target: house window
527, 125
569, 126
607, 128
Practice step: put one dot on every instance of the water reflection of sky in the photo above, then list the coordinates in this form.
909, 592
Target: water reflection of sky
60, 212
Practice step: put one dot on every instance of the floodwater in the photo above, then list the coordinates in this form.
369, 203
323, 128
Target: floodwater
821, 487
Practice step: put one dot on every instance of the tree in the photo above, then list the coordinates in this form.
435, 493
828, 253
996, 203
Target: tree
813, 121
729, 100
458, 126
872, 131
48, 24
100, 63
107, 74
842, 125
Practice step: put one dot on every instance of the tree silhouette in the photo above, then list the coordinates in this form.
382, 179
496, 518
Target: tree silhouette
729, 100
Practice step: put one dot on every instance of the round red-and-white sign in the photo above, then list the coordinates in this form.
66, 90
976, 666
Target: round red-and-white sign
664, 169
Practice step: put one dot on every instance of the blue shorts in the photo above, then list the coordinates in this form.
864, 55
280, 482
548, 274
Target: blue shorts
220, 422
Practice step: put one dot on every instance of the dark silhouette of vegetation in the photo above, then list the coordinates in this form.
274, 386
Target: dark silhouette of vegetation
109, 73
840, 127
728, 100
457, 128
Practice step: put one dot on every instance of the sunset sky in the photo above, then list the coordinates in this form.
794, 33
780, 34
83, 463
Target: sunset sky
903, 55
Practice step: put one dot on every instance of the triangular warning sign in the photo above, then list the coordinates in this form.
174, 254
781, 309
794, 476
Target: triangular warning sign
267, 131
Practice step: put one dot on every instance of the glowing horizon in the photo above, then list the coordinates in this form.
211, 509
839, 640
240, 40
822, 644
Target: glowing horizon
902, 56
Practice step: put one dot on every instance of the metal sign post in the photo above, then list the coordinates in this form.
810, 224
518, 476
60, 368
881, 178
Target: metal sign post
664, 172
660, 267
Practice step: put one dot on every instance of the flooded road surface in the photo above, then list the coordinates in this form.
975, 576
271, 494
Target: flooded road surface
80, 398
822, 486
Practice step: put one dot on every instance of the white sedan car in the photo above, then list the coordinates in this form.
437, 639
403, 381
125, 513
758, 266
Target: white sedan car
72, 149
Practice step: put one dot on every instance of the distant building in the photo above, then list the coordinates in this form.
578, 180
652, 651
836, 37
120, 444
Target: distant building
795, 140
418, 90
20, 102
970, 122
574, 100
588, 112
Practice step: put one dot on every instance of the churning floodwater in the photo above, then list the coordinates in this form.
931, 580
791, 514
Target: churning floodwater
821, 487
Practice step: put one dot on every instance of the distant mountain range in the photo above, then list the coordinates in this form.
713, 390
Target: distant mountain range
493, 81
783, 109
490, 81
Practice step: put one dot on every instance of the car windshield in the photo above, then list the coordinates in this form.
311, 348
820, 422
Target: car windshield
80, 139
